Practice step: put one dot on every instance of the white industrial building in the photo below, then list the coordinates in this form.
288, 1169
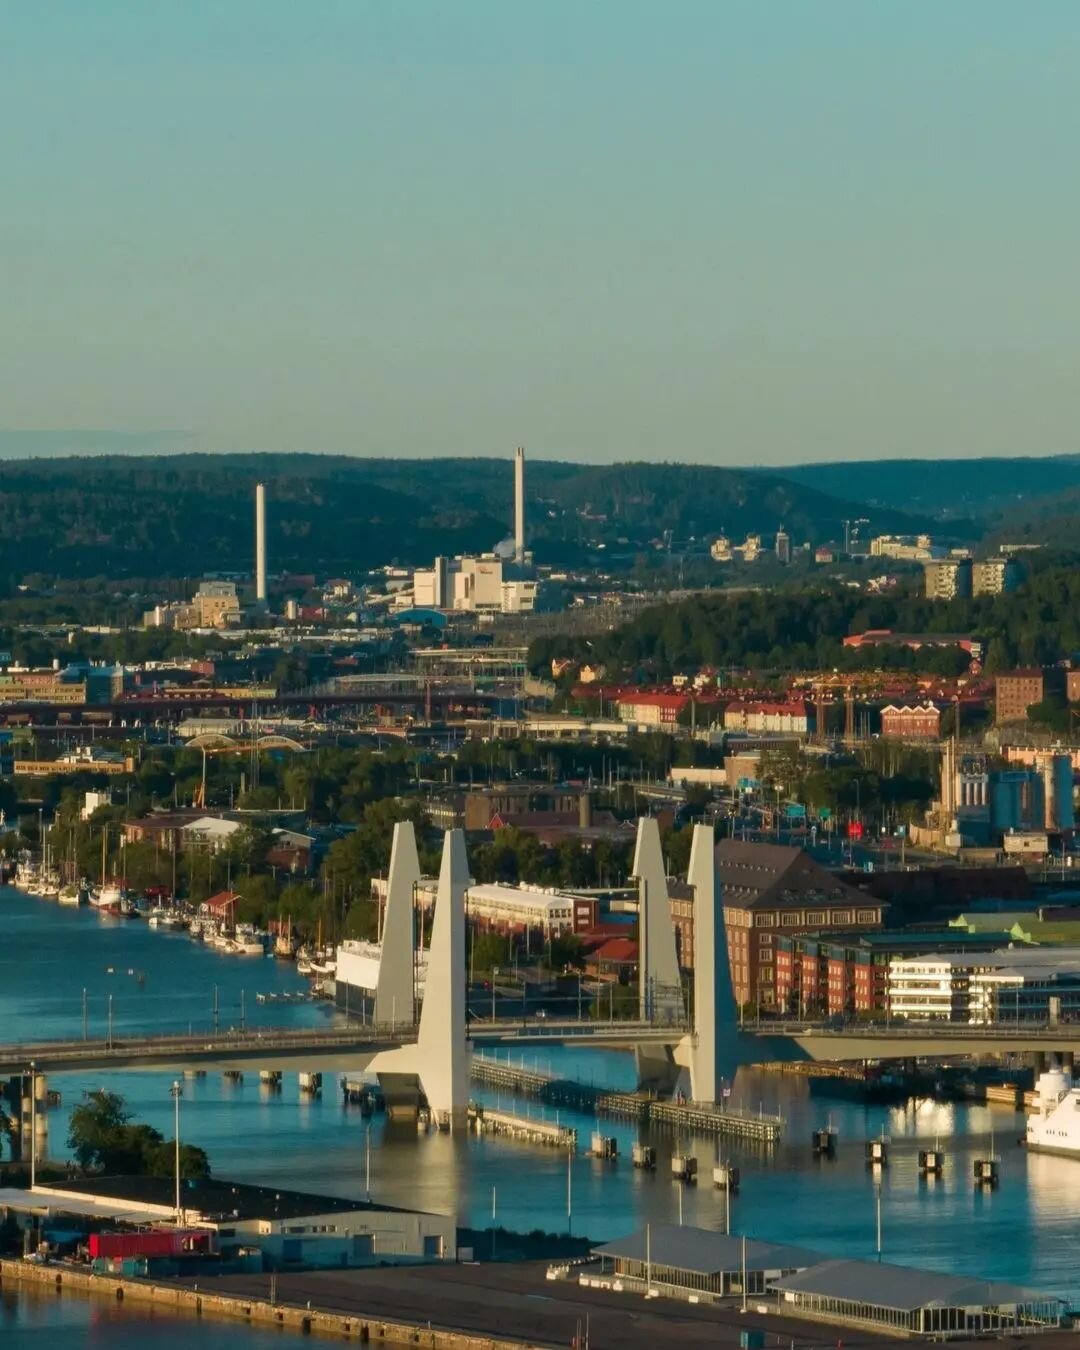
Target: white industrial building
471, 585
287, 1227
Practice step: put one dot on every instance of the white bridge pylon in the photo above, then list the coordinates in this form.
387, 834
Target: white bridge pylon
438, 1061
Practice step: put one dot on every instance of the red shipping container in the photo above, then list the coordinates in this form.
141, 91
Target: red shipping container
150, 1242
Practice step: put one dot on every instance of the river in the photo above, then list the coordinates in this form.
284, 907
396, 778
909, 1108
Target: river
1025, 1231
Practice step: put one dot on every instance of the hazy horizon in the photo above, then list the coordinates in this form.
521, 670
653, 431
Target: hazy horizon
703, 231
97, 443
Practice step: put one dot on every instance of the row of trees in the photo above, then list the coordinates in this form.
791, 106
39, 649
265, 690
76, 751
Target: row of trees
898, 780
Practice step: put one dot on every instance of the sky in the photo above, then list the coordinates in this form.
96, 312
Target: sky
752, 233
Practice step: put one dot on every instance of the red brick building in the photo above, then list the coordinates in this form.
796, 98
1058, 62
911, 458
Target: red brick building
1016, 690
918, 722
772, 891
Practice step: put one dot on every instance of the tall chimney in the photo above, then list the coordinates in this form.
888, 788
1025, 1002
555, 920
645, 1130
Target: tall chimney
519, 505
260, 545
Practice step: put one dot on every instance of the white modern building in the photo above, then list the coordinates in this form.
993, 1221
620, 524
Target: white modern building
521, 907
496, 905
985, 987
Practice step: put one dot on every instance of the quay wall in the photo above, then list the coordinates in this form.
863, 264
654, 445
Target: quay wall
203, 1303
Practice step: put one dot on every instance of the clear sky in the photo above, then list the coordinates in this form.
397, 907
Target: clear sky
742, 233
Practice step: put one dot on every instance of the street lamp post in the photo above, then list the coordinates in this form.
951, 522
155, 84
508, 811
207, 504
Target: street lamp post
176, 1092
33, 1124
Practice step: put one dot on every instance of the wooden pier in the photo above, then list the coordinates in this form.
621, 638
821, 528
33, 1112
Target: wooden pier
696, 1117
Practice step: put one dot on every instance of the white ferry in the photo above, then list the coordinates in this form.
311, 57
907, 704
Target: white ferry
1054, 1123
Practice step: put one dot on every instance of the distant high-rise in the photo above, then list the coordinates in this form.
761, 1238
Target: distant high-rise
783, 545
994, 576
519, 505
260, 545
948, 579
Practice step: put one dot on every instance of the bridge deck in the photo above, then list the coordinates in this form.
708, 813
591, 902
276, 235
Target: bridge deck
270, 1045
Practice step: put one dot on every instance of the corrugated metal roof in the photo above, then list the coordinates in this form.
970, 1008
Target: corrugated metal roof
903, 1288
704, 1252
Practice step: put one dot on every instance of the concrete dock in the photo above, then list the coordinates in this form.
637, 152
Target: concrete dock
465, 1307
486, 1120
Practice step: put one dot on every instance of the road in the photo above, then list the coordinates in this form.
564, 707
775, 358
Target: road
269, 1047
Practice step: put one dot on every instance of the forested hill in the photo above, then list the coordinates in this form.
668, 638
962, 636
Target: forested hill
804, 630
983, 489
180, 515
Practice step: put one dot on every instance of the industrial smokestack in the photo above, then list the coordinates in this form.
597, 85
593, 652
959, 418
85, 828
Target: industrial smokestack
519, 505
260, 545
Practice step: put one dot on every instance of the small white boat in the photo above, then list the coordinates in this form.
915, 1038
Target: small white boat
72, 895
247, 946
165, 919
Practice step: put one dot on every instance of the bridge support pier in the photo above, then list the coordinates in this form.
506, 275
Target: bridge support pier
439, 1060
657, 1070
395, 995
712, 979
660, 988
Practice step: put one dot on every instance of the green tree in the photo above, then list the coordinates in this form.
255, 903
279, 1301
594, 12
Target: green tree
248, 846
102, 1137
159, 1160
489, 951
95, 1125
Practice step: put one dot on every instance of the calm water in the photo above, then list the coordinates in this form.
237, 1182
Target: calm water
1027, 1231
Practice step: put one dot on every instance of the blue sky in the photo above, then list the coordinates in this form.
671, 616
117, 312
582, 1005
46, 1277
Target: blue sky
740, 233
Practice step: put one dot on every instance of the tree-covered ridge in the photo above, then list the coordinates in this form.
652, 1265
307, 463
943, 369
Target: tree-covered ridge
182, 515
986, 488
1037, 624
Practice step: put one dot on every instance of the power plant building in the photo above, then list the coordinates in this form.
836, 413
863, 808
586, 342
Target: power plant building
471, 586
982, 803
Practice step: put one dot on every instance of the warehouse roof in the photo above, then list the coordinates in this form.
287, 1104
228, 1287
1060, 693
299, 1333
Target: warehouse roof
904, 1289
523, 897
210, 1196
705, 1252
